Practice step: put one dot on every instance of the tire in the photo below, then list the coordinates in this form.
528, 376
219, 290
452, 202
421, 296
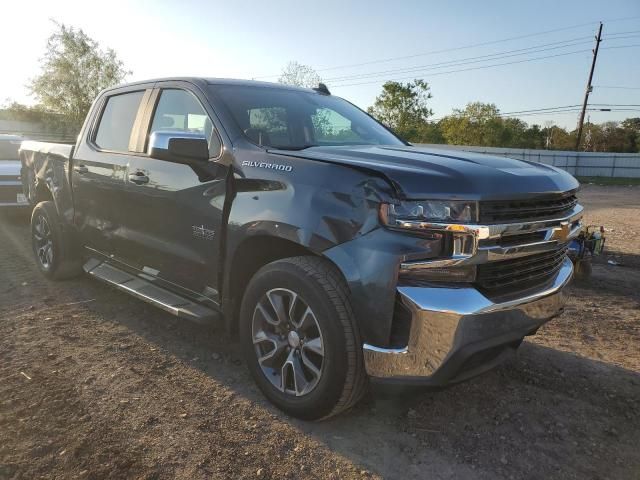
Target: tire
51, 245
330, 382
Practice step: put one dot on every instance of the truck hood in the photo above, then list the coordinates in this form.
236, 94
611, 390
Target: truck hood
10, 168
421, 173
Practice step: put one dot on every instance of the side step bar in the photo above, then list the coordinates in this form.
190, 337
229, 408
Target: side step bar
147, 291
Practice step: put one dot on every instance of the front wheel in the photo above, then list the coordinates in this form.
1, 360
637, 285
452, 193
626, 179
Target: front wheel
300, 338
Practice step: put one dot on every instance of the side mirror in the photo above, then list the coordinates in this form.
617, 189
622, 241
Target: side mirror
179, 147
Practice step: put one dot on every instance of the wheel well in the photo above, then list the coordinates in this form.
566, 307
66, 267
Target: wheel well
253, 254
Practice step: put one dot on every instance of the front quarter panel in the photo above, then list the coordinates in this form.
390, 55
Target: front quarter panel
313, 204
331, 210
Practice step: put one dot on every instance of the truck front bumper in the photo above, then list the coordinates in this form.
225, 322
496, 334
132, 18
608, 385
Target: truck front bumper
457, 333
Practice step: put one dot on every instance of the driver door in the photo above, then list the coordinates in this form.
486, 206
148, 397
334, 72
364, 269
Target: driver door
174, 214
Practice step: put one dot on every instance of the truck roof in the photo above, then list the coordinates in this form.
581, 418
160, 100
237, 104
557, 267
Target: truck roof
203, 81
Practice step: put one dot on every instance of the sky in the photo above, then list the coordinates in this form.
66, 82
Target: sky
257, 38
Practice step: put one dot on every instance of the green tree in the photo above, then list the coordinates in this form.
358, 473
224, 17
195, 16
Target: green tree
429, 132
481, 124
75, 69
631, 127
610, 137
49, 122
299, 75
404, 107
533, 137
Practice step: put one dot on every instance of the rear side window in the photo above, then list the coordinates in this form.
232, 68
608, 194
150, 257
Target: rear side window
116, 123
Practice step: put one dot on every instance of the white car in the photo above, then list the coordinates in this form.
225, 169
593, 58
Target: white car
11, 191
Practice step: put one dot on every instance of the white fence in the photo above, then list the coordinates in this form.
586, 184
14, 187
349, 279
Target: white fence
580, 164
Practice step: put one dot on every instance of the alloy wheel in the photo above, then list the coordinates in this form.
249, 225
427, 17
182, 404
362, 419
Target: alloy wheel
288, 342
43, 242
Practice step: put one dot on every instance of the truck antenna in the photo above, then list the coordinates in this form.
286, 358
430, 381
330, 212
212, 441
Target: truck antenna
322, 88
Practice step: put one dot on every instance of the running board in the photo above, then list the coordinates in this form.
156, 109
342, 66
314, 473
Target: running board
147, 291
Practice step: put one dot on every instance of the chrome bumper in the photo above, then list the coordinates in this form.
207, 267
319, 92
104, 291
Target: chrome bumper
457, 333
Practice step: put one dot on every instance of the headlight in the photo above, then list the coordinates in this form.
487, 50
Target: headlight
411, 214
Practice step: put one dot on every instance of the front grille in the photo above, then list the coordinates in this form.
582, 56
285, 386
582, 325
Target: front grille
526, 210
515, 239
520, 273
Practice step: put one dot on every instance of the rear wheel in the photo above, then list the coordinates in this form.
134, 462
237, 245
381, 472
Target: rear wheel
51, 245
300, 339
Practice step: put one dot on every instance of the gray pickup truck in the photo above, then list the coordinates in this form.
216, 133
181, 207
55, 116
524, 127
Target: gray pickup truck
336, 251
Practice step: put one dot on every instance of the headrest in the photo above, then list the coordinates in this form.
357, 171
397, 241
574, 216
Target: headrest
167, 122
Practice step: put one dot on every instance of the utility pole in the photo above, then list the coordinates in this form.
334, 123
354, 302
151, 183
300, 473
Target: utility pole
589, 87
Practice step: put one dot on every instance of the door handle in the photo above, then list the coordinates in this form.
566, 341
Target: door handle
80, 169
138, 178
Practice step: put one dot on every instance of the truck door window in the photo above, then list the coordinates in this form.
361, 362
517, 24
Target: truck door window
116, 122
180, 111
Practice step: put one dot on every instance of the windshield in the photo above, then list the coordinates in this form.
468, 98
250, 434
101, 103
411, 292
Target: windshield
9, 149
292, 119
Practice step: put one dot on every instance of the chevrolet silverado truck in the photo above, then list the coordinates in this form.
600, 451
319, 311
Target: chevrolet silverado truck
337, 252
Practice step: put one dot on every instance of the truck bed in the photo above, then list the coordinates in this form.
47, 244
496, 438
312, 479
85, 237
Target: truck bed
45, 172
59, 150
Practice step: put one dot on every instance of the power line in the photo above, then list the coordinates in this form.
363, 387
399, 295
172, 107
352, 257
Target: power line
622, 33
476, 59
475, 68
613, 105
620, 38
573, 110
541, 109
468, 60
620, 19
488, 66
621, 87
464, 47
621, 46
560, 112
453, 49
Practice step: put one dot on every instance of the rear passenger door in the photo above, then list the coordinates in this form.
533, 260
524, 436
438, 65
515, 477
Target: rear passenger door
173, 215
100, 165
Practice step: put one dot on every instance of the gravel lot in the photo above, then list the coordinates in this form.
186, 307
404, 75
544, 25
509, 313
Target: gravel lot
94, 384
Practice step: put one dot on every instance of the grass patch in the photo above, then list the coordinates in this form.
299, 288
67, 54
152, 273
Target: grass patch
609, 180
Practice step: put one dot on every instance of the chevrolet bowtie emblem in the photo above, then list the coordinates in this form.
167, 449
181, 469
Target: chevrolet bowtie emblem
561, 233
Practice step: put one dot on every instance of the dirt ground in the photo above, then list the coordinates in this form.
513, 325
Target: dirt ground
95, 384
